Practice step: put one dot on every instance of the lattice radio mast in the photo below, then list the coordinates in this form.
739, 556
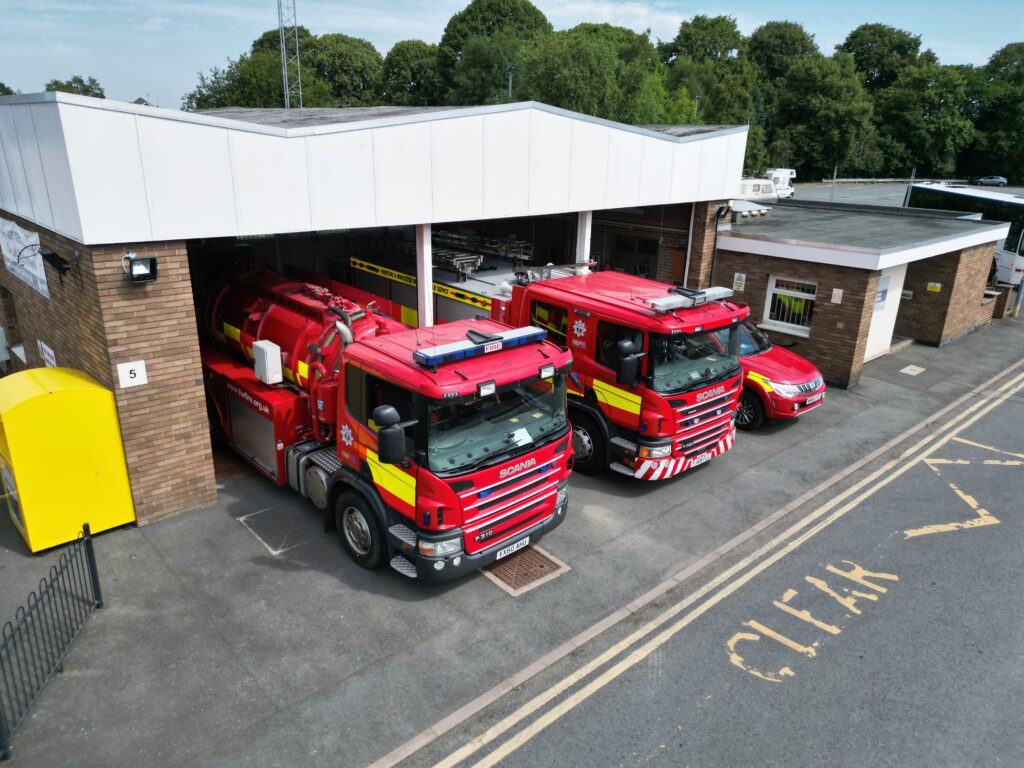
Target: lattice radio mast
291, 69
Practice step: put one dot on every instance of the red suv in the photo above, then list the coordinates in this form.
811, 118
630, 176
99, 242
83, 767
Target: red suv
777, 383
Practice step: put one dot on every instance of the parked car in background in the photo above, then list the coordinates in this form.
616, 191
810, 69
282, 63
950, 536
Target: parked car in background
992, 181
782, 178
777, 383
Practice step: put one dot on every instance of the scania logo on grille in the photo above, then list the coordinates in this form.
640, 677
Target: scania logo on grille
711, 393
513, 469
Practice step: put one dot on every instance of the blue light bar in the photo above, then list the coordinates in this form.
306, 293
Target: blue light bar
432, 357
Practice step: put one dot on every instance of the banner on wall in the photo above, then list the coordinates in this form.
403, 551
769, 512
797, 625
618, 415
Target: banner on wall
21, 256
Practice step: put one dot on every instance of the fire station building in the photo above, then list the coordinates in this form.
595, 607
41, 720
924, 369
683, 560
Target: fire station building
116, 218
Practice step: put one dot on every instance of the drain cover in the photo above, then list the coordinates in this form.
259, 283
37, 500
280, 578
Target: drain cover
524, 570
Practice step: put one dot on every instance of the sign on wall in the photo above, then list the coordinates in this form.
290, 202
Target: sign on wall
837, 295
21, 256
49, 358
739, 281
132, 374
882, 293
935, 287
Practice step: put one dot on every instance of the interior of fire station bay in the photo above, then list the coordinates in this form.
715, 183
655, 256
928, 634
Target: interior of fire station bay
118, 223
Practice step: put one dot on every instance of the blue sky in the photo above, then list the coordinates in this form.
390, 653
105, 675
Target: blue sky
156, 47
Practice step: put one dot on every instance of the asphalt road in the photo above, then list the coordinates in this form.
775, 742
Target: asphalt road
883, 628
870, 194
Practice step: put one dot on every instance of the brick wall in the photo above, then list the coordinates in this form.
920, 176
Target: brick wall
702, 248
96, 319
667, 224
838, 332
935, 317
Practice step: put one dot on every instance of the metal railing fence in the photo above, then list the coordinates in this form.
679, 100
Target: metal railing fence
34, 643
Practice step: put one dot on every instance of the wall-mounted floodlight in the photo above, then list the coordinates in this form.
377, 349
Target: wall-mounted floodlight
140, 269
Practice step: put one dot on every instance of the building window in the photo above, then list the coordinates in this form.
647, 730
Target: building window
789, 305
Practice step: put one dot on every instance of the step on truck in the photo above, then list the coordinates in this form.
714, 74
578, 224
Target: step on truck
656, 376
435, 450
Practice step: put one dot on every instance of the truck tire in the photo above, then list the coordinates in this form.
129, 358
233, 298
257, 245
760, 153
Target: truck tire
588, 444
750, 413
359, 530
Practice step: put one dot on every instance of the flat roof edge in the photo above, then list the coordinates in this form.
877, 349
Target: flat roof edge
201, 118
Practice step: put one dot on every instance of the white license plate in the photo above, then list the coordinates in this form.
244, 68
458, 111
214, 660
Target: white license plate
513, 548
814, 399
704, 457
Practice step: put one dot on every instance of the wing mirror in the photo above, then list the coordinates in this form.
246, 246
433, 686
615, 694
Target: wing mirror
390, 434
628, 370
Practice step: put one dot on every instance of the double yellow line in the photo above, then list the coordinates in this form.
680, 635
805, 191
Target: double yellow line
644, 641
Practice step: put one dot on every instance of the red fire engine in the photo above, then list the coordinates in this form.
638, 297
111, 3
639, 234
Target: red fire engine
436, 450
656, 373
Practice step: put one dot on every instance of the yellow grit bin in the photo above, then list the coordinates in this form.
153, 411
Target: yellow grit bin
61, 456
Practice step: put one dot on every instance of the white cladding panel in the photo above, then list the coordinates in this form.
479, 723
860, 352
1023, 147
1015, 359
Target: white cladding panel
103, 150
22, 202
713, 182
883, 314
507, 164
457, 147
625, 156
589, 165
341, 179
193, 183
6, 187
733, 169
33, 167
686, 170
550, 155
656, 172
271, 187
59, 185
401, 165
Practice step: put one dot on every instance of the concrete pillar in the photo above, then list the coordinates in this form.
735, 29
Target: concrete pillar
424, 276
584, 224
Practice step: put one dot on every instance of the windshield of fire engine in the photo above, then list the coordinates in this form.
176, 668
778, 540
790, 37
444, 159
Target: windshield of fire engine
470, 432
686, 360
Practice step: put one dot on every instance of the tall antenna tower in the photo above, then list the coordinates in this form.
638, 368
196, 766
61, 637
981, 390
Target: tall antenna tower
291, 69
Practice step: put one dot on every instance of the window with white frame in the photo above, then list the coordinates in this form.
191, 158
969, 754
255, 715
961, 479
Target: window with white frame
789, 305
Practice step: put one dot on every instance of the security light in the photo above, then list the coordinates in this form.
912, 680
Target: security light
140, 269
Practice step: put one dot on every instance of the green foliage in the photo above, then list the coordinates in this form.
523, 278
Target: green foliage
252, 80
350, 66
481, 74
5, 91
921, 118
271, 41
707, 38
409, 75
78, 84
520, 19
826, 112
880, 51
774, 47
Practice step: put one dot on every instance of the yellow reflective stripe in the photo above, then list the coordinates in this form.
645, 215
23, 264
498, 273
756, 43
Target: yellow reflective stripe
465, 297
617, 397
762, 380
303, 369
389, 274
288, 374
392, 479
410, 317
232, 333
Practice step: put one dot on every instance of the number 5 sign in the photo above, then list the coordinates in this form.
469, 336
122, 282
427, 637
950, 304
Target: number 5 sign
132, 374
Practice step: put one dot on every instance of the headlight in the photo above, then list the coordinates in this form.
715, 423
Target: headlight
440, 547
563, 495
655, 451
786, 390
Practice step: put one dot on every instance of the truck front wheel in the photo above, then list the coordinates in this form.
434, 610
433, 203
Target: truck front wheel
359, 531
589, 445
750, 413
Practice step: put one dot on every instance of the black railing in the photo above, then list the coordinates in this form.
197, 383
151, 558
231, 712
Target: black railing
33, 645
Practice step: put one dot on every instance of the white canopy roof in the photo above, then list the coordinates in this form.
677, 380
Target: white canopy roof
102, 171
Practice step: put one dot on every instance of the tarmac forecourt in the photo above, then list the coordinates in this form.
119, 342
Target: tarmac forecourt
593, 676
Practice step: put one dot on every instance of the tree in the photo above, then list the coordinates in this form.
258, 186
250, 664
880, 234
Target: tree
1000, 149
826, 112
775, 46
880, 51
706, 38
481, 74
253, 80
484, 18
350, 66
409, 75
5, 91
921, 119
271, 41
77, 84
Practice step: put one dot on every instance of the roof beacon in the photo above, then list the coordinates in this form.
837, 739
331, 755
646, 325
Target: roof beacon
687, 297
431, 357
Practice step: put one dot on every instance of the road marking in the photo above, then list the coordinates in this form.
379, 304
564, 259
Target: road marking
250, 529
511, 683
989, 448
984, 518
636, 656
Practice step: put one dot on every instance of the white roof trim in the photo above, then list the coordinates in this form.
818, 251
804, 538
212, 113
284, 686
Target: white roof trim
859, 258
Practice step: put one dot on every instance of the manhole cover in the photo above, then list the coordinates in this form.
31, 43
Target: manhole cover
526, 569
